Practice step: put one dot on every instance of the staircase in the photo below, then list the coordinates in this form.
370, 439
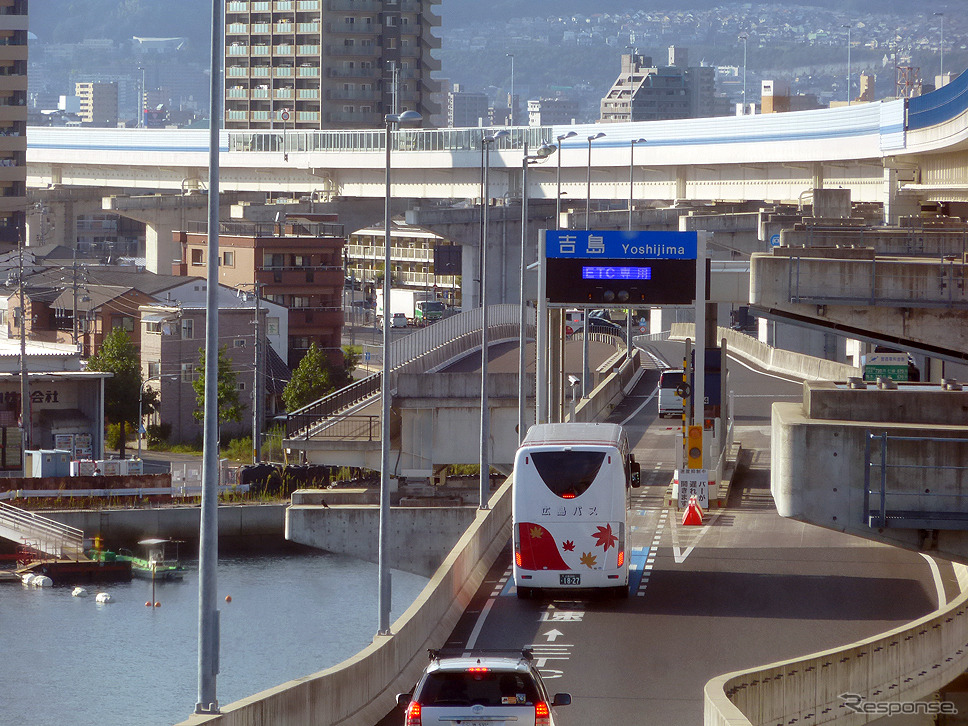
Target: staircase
40, 533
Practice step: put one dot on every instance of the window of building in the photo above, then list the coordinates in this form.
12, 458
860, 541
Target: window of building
228, 258
272, 326
301, 261
241, 385
187, 372
153, 327
300, 301
239, 342
197, 257
154, 369
188, 329
125, 322
274, 260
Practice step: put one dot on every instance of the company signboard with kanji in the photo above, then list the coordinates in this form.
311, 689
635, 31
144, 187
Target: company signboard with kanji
617, 269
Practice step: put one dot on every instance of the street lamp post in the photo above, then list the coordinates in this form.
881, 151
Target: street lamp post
141, 100
847, 25
744, 37
547, 397
569, 135
941, 15
485, 482
257, 379
383, 571
585, 373
628, 311
544, 151
511, 98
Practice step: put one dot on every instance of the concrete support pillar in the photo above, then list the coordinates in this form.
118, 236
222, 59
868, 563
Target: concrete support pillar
470, 292
52, 215
160, 248
897, 205
682, 173
818, 175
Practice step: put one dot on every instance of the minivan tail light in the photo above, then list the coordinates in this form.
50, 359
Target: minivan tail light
413, 714
542, 714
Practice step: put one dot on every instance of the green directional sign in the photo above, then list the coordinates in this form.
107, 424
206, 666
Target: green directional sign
886, 365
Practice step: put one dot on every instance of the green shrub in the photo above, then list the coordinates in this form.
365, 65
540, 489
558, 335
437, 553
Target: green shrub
158, 434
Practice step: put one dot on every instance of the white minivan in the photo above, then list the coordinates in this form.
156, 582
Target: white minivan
670, 404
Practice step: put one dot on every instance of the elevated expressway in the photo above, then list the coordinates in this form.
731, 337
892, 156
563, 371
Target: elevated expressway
897, 153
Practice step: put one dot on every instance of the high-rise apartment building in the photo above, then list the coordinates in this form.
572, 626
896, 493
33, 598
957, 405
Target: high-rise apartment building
13, 119
99, 103
321, 64
647, 92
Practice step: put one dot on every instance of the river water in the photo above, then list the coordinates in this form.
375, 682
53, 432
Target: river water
67, 660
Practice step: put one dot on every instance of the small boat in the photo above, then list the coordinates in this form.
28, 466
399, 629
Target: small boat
159, 563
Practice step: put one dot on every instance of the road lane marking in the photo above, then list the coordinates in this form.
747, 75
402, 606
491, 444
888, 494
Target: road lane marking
644, 404
637, 565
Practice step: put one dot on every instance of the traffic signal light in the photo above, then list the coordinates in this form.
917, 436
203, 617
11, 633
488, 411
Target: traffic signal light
694, 447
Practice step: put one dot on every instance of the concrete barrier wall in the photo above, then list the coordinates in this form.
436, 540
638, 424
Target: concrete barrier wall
125, 526
622, 371
361, 690
773, 360
905, 664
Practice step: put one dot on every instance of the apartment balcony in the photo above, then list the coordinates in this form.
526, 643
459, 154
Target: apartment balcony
260, 28
313, 5
13, 82
13, 53
308, 72
240, 93
355, 117
13, 113
12, 173
353, 95
352, 28
286, 6
302, 319
14, 22
13, 143
236, 51
307, 94
237, 72
283, 72
363, 6
262, 50
350, 73
344, 51
263, 6
237, 6
234, 115
237, 29
307, 49
307, 27
259, 93
284, 28
298, 278
283, 94
283, 50
260, 71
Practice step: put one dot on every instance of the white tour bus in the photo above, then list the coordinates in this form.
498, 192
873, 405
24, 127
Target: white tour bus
571, 495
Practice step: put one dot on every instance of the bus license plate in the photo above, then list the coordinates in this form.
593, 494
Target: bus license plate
570, 579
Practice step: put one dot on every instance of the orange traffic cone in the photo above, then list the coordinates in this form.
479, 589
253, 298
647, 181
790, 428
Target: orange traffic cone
693, 515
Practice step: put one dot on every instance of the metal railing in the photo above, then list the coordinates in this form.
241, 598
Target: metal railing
457, 333
45, 534
912, 491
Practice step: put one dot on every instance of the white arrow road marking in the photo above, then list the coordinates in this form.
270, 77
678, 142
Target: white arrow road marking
553, 635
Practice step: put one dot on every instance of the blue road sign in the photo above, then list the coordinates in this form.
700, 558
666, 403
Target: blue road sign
614, 245
775, 241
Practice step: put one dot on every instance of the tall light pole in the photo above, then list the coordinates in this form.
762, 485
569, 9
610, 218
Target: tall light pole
485, 483
569, 135
628, 311
847, 25
141, 100
744, 37
941, 15
544, 151
257, 376
586, 372
208, 615
511, 98
383, 570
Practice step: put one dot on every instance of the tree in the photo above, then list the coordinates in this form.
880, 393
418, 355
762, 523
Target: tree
229, 406
117, 355
311, 380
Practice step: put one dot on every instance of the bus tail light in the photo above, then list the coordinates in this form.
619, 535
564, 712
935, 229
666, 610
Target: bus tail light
413, 714
621, 557
518, 559
542, 714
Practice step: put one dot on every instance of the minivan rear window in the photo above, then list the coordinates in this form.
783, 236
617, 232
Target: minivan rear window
492, 688
670, 380
568, 473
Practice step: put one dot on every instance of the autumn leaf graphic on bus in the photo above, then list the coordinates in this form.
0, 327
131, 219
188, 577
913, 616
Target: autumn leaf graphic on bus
588, 559
604, 537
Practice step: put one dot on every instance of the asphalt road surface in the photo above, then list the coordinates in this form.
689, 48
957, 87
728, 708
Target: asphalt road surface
745, 589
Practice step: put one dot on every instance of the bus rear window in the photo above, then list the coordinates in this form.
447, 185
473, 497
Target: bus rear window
568, 473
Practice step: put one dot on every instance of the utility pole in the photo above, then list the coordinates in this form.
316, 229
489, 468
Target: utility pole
257, 384
25, 432
74, 321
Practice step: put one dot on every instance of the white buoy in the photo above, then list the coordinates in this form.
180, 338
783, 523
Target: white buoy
79, 592
41, 581
102, 597
27, 577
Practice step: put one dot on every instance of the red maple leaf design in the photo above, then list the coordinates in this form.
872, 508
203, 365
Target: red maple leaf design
604, 537
568, 546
